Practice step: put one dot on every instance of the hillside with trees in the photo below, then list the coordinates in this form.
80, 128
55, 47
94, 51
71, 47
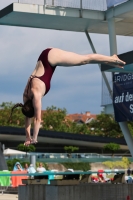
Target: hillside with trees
56, 119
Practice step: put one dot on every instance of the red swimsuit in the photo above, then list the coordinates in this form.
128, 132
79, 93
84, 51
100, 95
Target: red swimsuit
49, 70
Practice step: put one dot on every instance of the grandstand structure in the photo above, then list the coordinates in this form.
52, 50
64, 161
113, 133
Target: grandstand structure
54, 142
89, 16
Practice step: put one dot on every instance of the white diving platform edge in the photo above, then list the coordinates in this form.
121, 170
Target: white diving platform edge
69, 19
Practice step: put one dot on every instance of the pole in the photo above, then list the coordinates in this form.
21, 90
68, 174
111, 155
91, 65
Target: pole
52, 2
33, 160
3, 164
81, 13
44, 6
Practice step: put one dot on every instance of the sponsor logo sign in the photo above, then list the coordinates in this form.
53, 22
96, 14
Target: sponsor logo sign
123, 96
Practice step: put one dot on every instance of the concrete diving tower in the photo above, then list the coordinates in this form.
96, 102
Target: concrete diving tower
50, 17
69, 19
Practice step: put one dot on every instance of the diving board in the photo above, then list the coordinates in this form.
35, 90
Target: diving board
58, 18
128, 68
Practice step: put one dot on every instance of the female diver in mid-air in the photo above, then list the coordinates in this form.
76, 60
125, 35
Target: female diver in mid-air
39, 82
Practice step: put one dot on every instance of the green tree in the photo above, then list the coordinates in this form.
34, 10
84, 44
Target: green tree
55, 119
70, 149
85, 166
126, 160
30, 148
11, 163
79, 128
112, 147
105, 125
130, 126
17, 116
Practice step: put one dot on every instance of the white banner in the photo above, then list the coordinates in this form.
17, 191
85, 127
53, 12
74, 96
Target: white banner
111, 3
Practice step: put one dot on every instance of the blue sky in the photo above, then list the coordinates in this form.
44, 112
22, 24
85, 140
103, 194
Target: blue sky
78, 89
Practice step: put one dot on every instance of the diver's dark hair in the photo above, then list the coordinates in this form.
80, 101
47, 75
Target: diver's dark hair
27, 109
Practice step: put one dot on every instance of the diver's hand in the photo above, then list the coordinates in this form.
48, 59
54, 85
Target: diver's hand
27, 141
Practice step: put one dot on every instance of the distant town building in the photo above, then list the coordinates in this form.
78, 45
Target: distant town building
82, 118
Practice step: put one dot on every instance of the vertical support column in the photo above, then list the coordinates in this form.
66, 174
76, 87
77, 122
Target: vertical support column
52, 2
44, 6
33, 160
113, 50
127, 136
81, 13
112, 36
3, 164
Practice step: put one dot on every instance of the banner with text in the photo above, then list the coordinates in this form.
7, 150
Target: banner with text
123, 96
111, 3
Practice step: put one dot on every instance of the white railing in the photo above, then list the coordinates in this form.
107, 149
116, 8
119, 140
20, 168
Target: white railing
100, 5
85, 4
64, 155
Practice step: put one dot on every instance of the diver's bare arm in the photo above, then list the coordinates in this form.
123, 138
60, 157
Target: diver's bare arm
37, 115
27, 130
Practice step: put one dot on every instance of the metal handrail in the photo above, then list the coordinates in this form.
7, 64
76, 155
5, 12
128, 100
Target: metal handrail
63, 173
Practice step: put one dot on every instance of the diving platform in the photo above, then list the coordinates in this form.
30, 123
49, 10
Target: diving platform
69, 19
50, 17
128, 68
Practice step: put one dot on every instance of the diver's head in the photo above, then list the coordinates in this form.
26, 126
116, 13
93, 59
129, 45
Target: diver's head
27, 109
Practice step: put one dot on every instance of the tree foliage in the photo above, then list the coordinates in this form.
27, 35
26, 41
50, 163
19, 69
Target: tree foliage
85, 166
126, 160
130, 126
55, 119
105, 125
17, 116
11, 163
70, 149
123, 163
30, 148
112, 147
